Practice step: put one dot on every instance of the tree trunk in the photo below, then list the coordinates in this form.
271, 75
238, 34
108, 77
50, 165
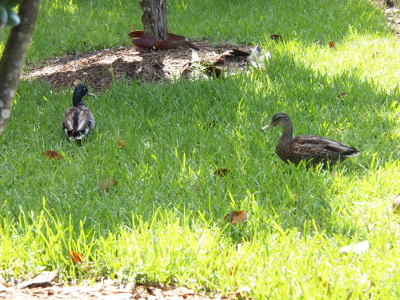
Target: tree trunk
154, 18
13, 58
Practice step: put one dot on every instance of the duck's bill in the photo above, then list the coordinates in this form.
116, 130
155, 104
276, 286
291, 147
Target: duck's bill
90, 94
267, 127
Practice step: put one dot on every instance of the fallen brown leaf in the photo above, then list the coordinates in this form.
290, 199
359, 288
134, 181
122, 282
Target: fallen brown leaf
240, 291
3, 282
211, 124
236, 217
376, 54
213, 71
222, 172
173, 41
230, 55
276, 37
341, 94
369, 284
332, 45
325, 284
50, 154
232, 270
186, 70
106, 184
121, 144
3, 288
76, 257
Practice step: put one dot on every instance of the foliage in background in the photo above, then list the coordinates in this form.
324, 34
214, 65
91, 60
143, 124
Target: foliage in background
163, 222
7, 16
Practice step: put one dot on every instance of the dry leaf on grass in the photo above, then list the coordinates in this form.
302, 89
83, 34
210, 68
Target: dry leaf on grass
355, 248
240, 291
332, 45
212, 70
3, 288
325, 284
3, 282
236, 216
76, 257
121, 144
230, 55
141, 40
50, 154
222, 172
211, 124
106, 184
368, 285
276, 37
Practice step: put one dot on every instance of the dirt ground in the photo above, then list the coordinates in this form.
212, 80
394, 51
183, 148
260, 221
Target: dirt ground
106, 290
99, 68
46, 286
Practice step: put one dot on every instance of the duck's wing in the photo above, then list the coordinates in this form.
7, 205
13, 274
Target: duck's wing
321, 144
68, 119
91, 120
77, 122
82, 119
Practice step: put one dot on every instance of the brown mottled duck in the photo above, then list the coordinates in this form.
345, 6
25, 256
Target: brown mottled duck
310, 148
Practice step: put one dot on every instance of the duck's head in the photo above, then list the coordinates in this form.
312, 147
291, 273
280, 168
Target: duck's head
278, 120
79, 92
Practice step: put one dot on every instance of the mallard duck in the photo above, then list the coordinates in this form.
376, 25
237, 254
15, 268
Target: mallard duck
78, 120
310, 148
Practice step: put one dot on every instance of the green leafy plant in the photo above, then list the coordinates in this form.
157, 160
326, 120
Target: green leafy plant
7, 16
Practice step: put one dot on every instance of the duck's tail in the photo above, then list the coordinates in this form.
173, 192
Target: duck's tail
76, 135
351, 152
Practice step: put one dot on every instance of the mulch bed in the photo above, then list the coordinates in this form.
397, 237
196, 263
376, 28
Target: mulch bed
99, 68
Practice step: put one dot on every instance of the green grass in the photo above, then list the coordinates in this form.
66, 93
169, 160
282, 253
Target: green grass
163, 222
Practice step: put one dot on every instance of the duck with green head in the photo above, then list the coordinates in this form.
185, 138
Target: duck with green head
310, 148
78, 120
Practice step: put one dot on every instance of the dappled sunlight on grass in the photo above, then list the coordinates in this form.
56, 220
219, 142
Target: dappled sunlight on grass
362, 57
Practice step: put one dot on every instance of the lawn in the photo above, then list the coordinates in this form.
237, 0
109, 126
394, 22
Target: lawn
164, 221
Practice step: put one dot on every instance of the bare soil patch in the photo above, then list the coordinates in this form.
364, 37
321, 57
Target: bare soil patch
106, 290
99, 68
